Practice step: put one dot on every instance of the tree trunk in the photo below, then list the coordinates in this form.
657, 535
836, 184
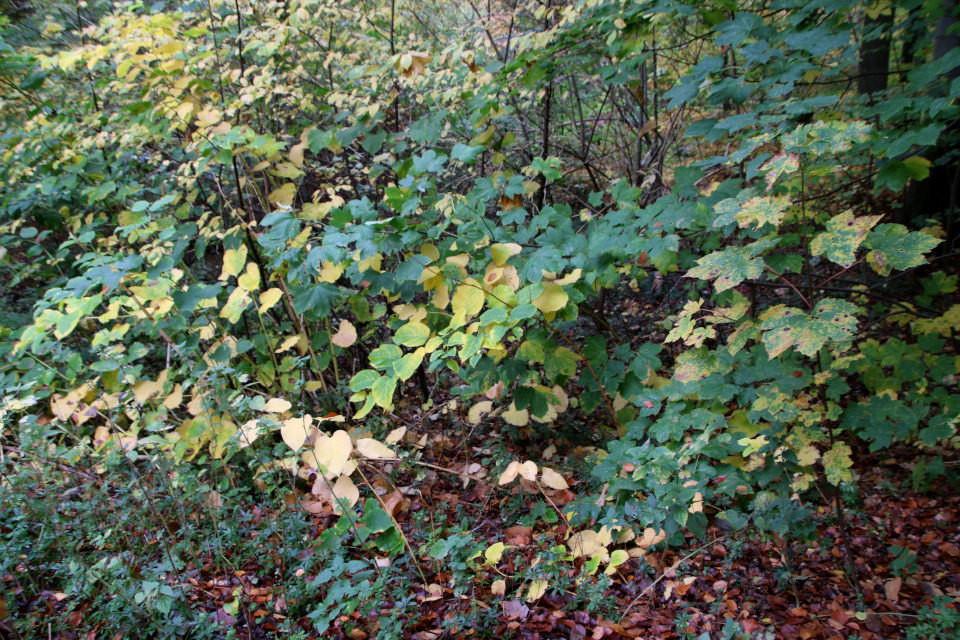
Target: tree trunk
946, 38
875, 54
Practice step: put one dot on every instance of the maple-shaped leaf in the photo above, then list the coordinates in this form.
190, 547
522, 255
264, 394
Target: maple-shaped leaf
695, 364
896, 248
744, 332
779, 164
843, 237
784, 327
733, 265
837, 463
747, 208
837, 135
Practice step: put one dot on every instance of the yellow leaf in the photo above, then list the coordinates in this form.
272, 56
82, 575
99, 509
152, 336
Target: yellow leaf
236, 303
250, 281
570, 278
269, 298
697, 506
331, 453
481, 140
477, 411
413, 63
537, 589
296, 155
509, 474
553, 479
346, 336
295, 431
586, 544
499, 587
807, 456
528, 470
331, 272
175, 398
650, 538
284, 195
233, 261
374, 450
500, 253
276, 405
518, 418
345, 493
287, 344
552, 299
617, 558
396, 435
468, 298
494, 553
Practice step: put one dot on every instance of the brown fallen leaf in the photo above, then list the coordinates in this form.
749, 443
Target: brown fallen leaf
395, 502
892, 588
516, 609
519, 535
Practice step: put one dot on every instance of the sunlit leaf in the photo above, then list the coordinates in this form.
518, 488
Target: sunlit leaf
374, 450
233, 262
295, 431
345, 336
276, 405
552, 479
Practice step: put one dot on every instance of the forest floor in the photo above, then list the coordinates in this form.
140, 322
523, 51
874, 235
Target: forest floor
903, 544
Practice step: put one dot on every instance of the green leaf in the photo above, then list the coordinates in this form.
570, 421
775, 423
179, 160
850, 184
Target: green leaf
382, 391
363, 380
372, 142
405, 366
549, 167
734, 518
493, 316
784, 327
384, 356
896, 248
412, 334
843, 237
319, 140
187, 301
375, 518
531, 351
562, 362
465, 153
316, 298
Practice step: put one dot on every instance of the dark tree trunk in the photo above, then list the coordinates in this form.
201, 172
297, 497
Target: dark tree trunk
946, 37
875, 54
914, 28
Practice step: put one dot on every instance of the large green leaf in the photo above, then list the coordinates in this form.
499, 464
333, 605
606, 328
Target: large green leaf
784, 327
896, 248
